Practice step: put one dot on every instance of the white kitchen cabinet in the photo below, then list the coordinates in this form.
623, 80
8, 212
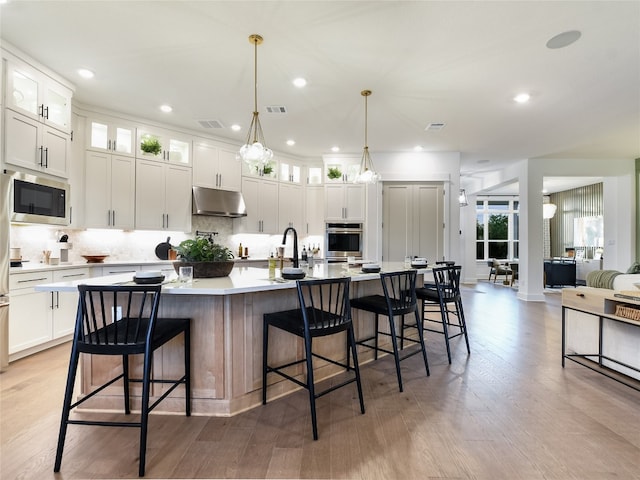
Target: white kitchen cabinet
291, 172
314, 175
341, 170
39, 320
163, 196
215, 167
261, 199
314, 210
65, 304
344, 202
30, 312
290, 207
111, 135
268, 172
38, 96
108, 270
174, 147
34, 145
110, 191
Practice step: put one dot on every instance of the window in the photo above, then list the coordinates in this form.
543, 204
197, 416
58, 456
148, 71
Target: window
497, 222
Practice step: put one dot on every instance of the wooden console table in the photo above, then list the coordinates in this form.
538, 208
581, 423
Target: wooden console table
593, 317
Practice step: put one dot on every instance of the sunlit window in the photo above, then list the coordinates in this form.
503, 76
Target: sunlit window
497, 222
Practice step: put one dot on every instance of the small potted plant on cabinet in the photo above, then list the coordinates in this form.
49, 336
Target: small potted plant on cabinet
334, 173
208, 259
151, 145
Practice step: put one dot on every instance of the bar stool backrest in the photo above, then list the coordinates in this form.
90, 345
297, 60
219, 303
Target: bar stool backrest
325, 304
447, 280
400, 291
116, 316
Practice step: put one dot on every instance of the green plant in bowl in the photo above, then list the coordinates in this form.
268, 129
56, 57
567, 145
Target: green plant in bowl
150, 144
208, 259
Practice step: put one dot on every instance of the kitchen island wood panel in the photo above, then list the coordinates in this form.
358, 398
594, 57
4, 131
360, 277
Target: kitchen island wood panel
226, 341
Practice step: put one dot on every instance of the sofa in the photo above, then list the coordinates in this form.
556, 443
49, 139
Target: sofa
616, 280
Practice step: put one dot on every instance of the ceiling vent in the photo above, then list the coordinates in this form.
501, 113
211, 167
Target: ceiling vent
210, 123
434, 127
276, 109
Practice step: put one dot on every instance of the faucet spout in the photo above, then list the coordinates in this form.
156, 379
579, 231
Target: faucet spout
295, 244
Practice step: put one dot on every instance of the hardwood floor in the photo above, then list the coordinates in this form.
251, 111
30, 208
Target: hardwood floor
507, 411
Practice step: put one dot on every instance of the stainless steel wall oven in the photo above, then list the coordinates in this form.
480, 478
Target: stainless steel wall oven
343, 240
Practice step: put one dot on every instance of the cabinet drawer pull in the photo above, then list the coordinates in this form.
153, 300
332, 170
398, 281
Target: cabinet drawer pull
74, 275
580, 295
32, 280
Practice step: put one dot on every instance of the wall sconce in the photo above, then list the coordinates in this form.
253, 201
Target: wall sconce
462, 198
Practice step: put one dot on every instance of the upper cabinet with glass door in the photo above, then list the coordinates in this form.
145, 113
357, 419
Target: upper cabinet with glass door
164, 146
110, 135
268, 171
38, 96
290, 172
341, 169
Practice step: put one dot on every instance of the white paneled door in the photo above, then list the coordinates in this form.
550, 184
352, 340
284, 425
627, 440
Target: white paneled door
413, 221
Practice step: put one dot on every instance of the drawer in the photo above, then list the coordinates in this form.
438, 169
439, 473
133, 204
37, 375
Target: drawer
29, 279
584, 299
70, 274
119, 269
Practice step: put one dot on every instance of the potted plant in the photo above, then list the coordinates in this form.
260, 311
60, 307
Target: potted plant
208, 259
150, 144
334, 173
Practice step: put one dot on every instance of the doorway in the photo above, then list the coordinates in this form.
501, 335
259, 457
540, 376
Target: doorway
412, 221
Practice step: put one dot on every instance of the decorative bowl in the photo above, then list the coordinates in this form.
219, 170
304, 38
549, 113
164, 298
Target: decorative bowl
293, 273
370, 268
94, 258
206, 269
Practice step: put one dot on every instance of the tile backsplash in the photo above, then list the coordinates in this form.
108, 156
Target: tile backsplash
139, 245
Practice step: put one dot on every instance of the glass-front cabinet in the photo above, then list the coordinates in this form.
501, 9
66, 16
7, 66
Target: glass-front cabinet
110, 135
341, 170
164, 145
38, 96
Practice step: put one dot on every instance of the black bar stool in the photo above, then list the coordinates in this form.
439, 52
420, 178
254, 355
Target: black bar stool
399, 299
324, 310
445, 298
100, 331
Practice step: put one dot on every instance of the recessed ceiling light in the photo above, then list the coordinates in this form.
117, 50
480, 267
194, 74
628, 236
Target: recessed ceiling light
335, 149
564, 39
235, 127
300, 82
291, 143
84, 73
417, 148
166, 108
522, 98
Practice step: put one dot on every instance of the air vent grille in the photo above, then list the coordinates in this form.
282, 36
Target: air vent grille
210, 123
435, 126
279, 109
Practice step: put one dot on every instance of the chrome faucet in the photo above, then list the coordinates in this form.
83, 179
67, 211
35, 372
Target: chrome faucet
295, 244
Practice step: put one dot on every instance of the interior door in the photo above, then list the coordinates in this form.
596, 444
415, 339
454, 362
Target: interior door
413, 221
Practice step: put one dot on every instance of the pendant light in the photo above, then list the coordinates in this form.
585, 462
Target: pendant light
462, 198
367, 174
254, 152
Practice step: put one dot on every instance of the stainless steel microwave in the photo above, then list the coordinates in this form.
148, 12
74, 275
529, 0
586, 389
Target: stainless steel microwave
38, 200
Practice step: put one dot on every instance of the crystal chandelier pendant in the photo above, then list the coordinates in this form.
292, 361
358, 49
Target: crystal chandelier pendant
254, 152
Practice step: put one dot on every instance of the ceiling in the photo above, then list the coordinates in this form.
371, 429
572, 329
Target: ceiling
457, 63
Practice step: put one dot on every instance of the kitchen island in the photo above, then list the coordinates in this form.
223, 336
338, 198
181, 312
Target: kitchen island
226, 338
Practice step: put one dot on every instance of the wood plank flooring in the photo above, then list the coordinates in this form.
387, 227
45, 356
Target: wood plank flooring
507, 411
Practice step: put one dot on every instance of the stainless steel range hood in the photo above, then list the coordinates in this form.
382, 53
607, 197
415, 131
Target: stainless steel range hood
218, 203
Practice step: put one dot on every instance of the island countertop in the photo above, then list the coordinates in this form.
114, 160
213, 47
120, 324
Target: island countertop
242, 279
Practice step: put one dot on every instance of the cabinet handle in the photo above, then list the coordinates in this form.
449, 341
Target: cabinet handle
33, 280
73, 275
113, 217
57, 299
167, 220
46, 157
51, 305
41, 110
108, 144
580, 295
45, 113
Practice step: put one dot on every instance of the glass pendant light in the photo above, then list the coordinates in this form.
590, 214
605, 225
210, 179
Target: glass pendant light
254, 152
367, 173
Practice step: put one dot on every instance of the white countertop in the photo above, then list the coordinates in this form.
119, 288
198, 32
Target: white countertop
43, 267
242, 279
